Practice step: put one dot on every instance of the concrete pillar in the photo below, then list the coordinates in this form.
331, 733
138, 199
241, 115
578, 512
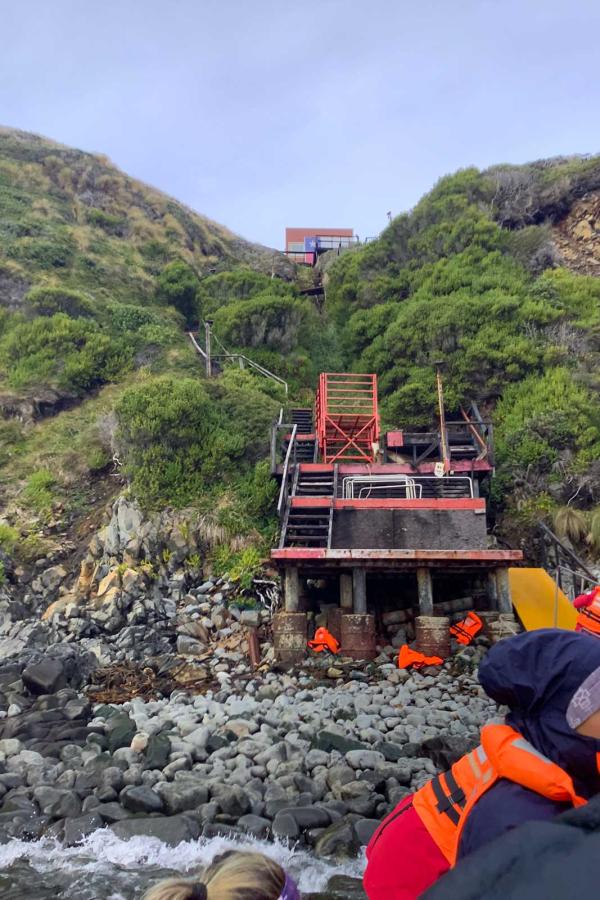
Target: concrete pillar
492, 590
504, 598
425, 592
291, 589
359, 590
346, 591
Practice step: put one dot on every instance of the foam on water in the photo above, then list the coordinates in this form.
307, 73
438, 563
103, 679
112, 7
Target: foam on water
105, 858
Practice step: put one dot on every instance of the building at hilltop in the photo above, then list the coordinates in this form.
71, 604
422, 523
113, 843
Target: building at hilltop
303, 245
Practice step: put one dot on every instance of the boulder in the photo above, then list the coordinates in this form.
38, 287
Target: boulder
57, 803
141, 799
187, 792
339, 841
171, 830
52, 578
44, 677
75, 830
330, 740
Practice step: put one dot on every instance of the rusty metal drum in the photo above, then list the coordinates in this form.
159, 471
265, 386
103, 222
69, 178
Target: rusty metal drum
358, 636
289, 637
433, 635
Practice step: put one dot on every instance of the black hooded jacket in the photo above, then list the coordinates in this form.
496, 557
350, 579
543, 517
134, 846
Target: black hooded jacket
536, 675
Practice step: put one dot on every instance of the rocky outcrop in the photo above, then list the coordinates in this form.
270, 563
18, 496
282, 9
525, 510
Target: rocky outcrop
577, 236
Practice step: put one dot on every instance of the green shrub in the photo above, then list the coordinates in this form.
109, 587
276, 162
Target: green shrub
8, 538
47, 301
182, 440
38, 493
178, 286
70, 353
111, 224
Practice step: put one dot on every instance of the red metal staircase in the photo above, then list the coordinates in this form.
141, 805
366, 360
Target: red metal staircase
347, 417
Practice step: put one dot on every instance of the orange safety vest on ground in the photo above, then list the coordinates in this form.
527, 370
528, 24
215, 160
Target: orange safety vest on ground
465, 631
444, 803
589, 616
408, 657
324, 640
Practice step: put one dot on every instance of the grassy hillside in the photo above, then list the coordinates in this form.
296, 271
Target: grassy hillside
100, 276
473, 277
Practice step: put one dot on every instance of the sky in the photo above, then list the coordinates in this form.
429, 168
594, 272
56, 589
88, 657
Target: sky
267, 113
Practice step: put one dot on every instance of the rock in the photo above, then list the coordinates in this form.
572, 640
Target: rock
111, 812
334, 672
231, 798
57, 803
139, 742
250, 617
121, 732
339, 841
78, 829
316, 758
52, 578
44, 677
141, 799
157, 751
189, 646
444, 750
365, 829
187, 792
307, 816
257, 826
329, 740
392, 752
364, 759
171, 830
108, 584
285, 827
358, 797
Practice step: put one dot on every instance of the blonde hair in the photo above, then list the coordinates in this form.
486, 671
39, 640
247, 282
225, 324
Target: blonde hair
235, 875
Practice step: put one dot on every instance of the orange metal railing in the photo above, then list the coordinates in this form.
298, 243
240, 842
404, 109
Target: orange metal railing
347, 417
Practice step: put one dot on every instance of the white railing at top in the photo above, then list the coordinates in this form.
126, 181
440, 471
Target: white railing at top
411, 485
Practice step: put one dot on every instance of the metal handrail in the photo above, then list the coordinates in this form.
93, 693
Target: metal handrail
254, 365
558, 545
196, 344
283, 491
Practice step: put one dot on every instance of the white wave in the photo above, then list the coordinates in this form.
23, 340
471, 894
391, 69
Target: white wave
104, 854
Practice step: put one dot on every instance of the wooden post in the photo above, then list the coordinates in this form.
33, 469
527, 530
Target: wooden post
292, 589
253, 648
425, 587
346, 591
492, 589
359, 590
504, 598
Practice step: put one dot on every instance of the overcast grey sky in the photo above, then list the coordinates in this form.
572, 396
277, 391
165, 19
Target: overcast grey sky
267, 113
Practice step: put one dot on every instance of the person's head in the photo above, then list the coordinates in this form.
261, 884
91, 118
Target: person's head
235, 875
550, 680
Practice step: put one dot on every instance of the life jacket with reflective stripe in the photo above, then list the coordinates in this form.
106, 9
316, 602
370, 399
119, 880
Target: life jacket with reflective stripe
465, 631
324, 640
589, 616
408, 658
445, 802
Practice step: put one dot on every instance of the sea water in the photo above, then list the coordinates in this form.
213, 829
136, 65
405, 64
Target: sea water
106, 868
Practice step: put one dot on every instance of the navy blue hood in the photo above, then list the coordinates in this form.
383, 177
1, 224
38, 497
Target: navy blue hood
535, 675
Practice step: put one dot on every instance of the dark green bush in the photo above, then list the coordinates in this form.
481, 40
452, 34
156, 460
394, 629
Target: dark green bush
115, 225
178, 286
47, 301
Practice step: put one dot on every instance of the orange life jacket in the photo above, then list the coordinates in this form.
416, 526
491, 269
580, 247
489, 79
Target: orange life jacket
589, 616
444, 803
408, 657
324, 640
465, 631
